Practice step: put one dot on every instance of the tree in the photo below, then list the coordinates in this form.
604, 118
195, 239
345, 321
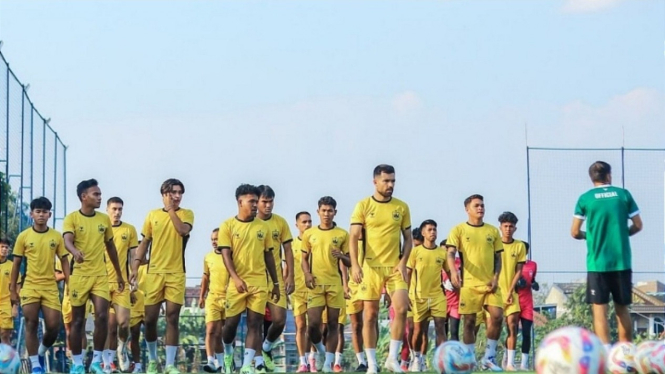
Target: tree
14, 214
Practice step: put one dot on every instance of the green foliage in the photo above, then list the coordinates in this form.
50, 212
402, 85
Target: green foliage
13, 213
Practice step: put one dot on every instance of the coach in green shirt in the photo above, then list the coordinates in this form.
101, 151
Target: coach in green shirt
607, 210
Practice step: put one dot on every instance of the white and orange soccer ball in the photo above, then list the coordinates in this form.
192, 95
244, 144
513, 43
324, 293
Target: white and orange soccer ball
453, 357
643, 356
571, 350
9, 360
657, 358
621, 359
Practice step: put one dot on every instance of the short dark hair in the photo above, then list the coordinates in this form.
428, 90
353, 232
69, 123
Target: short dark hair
327, 200
417, 235
5, 241
469, 199
266, 191
247, 189
82, 187
168, 185
41, 203
427, 222
301, 213
216, 229
383, 168
599, 171
115, 200
508, 217
443, 243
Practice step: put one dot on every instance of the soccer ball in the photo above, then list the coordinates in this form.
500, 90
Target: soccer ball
453, 357
571, 350
643, 357
9, 360
657, 358
621, 359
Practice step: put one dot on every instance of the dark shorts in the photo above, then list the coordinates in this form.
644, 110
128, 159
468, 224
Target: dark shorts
600, 285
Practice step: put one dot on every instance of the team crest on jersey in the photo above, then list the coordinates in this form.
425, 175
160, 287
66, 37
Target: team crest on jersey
489, 238
397, 215
31, 245
275, 235
101, 229
124, 237
335, 241
52, 244
468, 239
75, 294
363, 287
260, 235
81, 229
439, 261
514, 254
6, 273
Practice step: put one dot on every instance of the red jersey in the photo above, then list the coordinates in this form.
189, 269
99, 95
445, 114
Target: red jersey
529, 271
452, 297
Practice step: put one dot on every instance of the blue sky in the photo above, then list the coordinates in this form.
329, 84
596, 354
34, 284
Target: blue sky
309, 96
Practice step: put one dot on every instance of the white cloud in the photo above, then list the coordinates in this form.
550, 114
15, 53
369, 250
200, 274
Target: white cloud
406, 102
588, 6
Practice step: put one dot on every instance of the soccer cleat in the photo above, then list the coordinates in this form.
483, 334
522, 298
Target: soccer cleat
229, 365
152, 367
415, 366
171, 369
489, 365
312, 364
114, 369
423, 364
37, 370
510, 368
261, 369
42, 363
393, 366
210, 368
405, 365
123, 360
326, 368
267, 359
320, 360
77, 369
246, 370
362, 368
338, 368
107, 369
96, 368
303, 368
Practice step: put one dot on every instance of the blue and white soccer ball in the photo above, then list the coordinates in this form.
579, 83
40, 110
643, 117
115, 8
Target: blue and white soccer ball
9, 360
453, 357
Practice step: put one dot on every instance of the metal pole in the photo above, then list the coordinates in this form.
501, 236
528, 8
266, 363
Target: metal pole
7, 160
19, 206
64, 182
528, 235
55, 176
623, 168
32, 151
43, 157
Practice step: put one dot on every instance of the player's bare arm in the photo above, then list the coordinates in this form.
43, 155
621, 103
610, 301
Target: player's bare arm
345, 279
181, 228
240, 284
636, 225
513, 283
406, 251
66, 271
13, 283
289, 281
576, 230
354, 235
138, 259
205, 281
344, 259
497, 272
453, 275
309, 278
112, 252
71, 248
272, 271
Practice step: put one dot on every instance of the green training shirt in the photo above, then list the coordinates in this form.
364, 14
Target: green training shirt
606, 210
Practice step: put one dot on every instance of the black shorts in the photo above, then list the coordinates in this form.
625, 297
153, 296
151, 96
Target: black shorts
600, 285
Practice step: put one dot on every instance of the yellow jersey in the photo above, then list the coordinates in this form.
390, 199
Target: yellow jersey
383, 223
280, 235
5, 279
247, 241
298, 275
513, 254
426, 265
218, 276
477, 246
90, 236
319, 243
125, 239
167, 250
39, 250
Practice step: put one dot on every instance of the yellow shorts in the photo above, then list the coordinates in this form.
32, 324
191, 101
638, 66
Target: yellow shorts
299, 303
67, 310
6, 319
81, 287
120, 298
354, 305
137, 311
254, 299
375, 278
215, 307
474, 299
513, 308
330, 296
426, 308
49, 298
481, 317
160, 287
342, 316
282, 294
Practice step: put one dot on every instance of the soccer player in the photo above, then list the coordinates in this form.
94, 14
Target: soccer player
281, 238
245, 244
382, 220
299, 296
325, 245
606, 209
8, 310
166, 230
513, 258
88, 235
126, 241
39, 245
479, 244
425, 265
528, 283
213, 283
354, 309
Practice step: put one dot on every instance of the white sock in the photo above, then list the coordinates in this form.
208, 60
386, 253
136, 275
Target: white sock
211, 360
472, 347
228, 349
152, 350
338, 358
42, 350
490, 351
77, 359
249, 356
171, 351
303, 360
121, 346
312, 355
329, 359
393, 349
511, 357
106, 357
525, 361
112, 354
361, 358
319, 347
417, 355
267, 345
97, 356
371, 358
34, 360
220, 359
258, 360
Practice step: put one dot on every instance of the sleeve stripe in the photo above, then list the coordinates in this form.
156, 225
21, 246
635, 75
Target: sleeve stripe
631, 215
579, 216
67, 232
223, 246
356, 223
408, 228
499, 251
287, 241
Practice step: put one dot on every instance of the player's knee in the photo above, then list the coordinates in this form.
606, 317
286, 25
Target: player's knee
31, 325
173, 317
370, 317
